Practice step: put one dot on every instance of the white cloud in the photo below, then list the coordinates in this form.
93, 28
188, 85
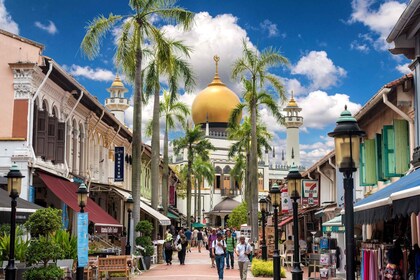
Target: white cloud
271, 28
50, 27
97, 74
209, 36
403, 69
379, 21
295, 86
6, 21
319, 69
358, 46
327, 111
309, 154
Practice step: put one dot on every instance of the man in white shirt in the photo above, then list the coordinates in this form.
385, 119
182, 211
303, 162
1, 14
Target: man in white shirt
242, 250
219, 251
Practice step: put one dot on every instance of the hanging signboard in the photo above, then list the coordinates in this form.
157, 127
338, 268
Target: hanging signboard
310, 192
286, 202
119, 164
82, 239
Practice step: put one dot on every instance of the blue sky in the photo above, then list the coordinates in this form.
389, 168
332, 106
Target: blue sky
336, 50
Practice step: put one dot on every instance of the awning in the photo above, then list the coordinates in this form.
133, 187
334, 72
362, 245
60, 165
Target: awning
285, 221
163, 220
197, 225
23, 210
403, 195
172, 216
144, 205
333, 225
66, 192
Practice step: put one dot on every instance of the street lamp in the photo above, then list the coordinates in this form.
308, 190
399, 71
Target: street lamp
275, 196
82, 196
294, 183
14, 184
129, 203
263, 208
347, 136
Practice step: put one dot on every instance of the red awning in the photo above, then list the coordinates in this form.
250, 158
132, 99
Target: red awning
66, 191
286, 221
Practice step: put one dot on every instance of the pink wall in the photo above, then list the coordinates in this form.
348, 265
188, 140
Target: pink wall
13, 50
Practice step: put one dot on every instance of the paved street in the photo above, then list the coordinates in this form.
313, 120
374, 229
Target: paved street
197, 267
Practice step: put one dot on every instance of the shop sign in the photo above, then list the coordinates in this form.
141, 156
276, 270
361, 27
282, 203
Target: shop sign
107, 229
310, 192
119, 164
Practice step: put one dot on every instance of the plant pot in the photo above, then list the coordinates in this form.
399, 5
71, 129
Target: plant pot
147, 262
20, 272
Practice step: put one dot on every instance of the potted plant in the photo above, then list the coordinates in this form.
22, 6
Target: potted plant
145, 240
42, 225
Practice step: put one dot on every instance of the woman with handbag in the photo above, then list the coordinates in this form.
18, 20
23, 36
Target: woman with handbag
182, 248
169, 243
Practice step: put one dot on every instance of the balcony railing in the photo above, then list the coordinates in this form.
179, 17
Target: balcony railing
230, 192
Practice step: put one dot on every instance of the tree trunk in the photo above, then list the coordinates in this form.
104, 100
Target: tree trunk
137, 141
195, 199
189, 169
154, 165
254, 166
248, 193
199, 201
165, 175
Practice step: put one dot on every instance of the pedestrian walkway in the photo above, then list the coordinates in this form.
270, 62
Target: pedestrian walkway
197, 267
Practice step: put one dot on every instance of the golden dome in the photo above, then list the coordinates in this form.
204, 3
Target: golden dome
117, 82
215, 103
292, 102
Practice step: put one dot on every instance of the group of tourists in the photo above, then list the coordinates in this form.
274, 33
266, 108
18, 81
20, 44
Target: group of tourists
223, 247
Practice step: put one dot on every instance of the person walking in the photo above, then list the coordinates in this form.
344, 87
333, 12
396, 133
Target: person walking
199, 240
210, 239
230, 248
242, 251
169, 245
181, 253
188, 234
219, 251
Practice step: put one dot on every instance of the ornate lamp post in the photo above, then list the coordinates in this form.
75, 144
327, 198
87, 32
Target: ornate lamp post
82, 196
263, 208
14, 185
129, 203
347, 136
294, 183
275, 196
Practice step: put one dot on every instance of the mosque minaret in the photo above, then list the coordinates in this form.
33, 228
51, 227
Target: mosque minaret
116, 103
293, 121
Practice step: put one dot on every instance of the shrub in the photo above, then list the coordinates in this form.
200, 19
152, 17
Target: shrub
67, 242
44, 273
44, 221
42, 250
145, 240
264, 268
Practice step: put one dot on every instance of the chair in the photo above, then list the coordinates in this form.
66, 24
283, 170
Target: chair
154, 256
282, 253
135, 265
288, 256
314, 265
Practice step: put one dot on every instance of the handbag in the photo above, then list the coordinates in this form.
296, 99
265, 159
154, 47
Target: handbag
179, 247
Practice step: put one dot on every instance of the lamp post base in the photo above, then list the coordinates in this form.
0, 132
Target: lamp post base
297, 273
276, 268
128, 250
79, 273
11, 271
264, 252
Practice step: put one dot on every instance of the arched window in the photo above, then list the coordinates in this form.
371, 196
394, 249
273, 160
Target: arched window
41, 131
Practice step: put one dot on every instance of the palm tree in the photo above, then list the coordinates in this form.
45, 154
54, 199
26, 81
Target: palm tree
173, 111
164, 61
135, 29
242, 135
203, 170
253, 67
195, 142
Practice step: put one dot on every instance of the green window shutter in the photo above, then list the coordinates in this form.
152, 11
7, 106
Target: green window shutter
402, 149
371, 178
388, 151
379, 160
362, 165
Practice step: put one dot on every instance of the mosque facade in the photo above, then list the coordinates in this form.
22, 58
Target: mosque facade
211, 110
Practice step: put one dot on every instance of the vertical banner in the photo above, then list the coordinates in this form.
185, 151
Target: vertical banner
64, 215
82, 239
31, 194
119, 164
172, 195
310, 192
286, 202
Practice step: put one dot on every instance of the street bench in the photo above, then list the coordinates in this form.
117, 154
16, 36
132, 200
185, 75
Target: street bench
114, 264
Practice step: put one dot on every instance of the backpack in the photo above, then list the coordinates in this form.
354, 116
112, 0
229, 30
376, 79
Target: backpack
168, 245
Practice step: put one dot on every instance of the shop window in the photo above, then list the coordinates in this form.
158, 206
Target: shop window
379, 160
388, 151
402, 147
370, 163
218, 182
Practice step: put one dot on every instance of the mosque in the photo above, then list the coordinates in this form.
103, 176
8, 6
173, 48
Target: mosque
211, 110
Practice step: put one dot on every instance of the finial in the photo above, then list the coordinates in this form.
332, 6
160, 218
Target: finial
216, 59
274, 152
345, 107
293, 154
282, 155
292, 94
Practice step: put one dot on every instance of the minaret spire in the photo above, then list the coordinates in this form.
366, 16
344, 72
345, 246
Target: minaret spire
216, 60
293, 121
